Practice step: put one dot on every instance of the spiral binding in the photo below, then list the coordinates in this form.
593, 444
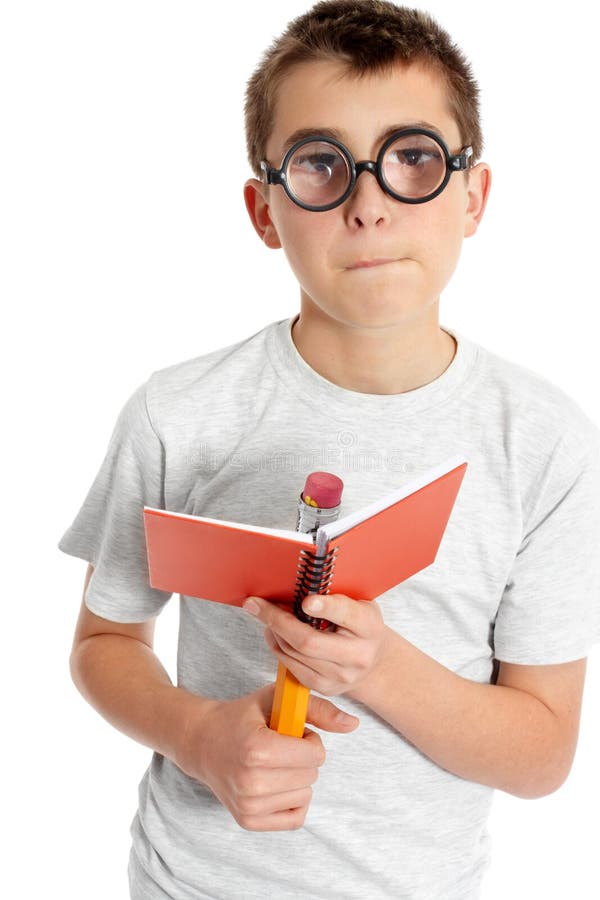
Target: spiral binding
314, 577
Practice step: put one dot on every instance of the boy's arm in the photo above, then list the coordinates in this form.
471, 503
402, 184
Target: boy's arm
113, 662
262, 777
518, 735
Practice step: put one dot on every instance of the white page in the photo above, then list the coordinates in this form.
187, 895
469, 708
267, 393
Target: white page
340, 526
297, 536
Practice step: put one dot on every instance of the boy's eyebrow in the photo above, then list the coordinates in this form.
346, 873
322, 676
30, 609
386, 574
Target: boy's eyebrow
302, 133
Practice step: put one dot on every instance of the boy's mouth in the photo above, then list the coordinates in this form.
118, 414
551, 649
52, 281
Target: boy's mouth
369, 263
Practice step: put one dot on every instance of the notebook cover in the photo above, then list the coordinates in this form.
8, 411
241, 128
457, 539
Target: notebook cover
217, 562
379, 553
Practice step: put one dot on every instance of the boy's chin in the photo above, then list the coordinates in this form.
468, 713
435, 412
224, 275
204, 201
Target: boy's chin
371, 307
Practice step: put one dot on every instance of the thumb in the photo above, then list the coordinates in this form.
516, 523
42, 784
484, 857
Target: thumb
325, 715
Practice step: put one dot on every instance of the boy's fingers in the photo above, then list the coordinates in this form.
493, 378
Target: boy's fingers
354, 615
280, 620
324, 714
280, 751
357, 616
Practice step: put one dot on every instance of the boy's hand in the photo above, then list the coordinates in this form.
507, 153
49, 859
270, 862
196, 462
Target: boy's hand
263, 778
330, 662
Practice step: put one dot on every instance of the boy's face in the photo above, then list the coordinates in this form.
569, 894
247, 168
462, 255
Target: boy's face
423, 241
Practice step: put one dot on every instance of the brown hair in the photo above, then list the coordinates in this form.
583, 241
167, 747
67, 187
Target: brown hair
368, 36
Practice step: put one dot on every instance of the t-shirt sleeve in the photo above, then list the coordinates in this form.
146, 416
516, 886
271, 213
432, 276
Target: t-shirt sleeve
108, 530
550, 608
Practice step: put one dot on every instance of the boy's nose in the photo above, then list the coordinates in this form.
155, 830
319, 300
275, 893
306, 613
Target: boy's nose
367, 204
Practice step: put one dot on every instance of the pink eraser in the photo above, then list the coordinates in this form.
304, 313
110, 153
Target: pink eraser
324, 489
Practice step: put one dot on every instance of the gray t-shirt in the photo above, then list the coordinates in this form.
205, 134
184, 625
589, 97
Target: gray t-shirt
233, 434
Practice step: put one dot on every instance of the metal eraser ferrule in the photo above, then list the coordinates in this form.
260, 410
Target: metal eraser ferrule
310, 518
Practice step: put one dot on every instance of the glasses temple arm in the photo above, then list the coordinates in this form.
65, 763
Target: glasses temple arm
462, 161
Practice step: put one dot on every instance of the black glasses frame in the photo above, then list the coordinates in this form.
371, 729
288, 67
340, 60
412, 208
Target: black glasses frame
458, 163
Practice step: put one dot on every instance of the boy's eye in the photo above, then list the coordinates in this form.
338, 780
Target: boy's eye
414, 156
321, 163
414, 169
317, 174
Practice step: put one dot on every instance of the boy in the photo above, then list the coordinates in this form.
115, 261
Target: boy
467, 677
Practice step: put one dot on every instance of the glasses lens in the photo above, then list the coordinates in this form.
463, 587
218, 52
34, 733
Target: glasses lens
318, 173
414, 166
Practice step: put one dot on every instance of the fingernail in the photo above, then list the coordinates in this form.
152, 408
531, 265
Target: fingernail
251, 606
312, 605
344, 719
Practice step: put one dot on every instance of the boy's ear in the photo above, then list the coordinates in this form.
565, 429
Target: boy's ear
255, 196
478, 190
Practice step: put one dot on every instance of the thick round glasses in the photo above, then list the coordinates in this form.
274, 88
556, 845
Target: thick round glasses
319, 173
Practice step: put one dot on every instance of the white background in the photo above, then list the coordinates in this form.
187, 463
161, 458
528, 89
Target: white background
125, 247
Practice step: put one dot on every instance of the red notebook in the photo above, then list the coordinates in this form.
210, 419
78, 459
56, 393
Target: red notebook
362, 554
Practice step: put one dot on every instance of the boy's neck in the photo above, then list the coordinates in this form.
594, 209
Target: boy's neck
374, 360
